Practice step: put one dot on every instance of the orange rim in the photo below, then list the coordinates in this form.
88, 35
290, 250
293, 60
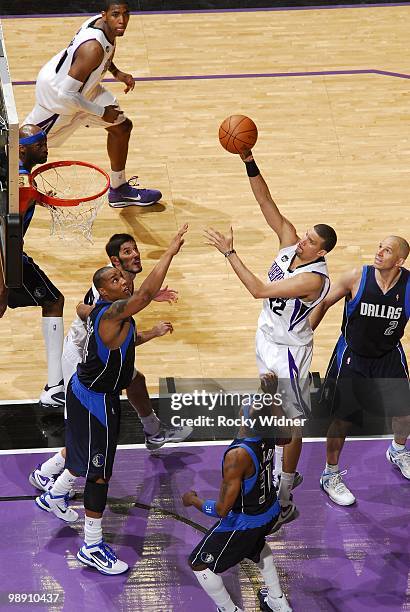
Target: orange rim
55, 201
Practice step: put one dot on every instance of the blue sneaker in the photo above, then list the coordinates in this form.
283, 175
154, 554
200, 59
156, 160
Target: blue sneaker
58, 505
101, 557
128, 195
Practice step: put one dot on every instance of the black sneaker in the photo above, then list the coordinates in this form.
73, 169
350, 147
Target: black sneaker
287, 514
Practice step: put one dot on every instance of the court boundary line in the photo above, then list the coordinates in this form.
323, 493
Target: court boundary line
35, 451
270, 9
250, 75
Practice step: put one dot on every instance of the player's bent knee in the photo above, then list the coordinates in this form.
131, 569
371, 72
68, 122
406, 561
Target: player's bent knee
95, 495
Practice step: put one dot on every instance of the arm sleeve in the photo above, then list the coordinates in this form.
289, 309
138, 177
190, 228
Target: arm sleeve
69, 94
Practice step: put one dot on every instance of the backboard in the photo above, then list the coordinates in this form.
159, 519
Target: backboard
10, 227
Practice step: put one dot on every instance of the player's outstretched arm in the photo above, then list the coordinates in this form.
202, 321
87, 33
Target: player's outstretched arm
237, 463
122, 309
160, 329
301, 286
344, 286
284, 229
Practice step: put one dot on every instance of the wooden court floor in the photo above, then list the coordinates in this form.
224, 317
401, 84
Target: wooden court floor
329, 91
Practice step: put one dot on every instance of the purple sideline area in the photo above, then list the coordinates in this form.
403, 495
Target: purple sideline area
331, 559
238, 10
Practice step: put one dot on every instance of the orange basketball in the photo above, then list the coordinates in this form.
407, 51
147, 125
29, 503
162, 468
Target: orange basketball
237, 133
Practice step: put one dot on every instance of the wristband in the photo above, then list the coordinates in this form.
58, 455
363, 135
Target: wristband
231, 252
209, 507
251, 168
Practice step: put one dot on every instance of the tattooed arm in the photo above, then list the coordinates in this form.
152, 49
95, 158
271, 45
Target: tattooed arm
237, 466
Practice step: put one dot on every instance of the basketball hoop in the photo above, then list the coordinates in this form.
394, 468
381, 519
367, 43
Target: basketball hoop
73, 192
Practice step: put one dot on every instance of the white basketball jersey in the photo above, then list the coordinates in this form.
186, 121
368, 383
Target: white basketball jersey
56, 70
78, 329
286, 320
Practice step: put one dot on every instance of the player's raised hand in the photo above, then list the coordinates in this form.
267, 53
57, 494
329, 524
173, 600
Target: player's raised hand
111, 113
178, 240
162, 328
246, 155
187, 498
127, 79
166, 295
218, 240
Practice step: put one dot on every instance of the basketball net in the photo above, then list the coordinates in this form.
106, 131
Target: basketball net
72, 191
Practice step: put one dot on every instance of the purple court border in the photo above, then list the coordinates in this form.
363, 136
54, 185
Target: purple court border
253, 75
243, 10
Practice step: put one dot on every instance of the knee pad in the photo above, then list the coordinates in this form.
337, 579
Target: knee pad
95, 496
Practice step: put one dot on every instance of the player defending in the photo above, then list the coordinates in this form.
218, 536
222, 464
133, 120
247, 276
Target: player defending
297, 281
69, 94
247, 511
93, 404
37, 289
368, 368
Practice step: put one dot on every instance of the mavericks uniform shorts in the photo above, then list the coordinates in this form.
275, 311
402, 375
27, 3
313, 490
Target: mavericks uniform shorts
37, 289
220, 550
91, 445
377, 385
291, 364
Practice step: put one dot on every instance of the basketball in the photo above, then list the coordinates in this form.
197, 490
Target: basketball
237, 133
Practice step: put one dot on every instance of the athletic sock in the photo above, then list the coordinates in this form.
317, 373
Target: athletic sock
270, 576
53, 333
63, 484
397, 447
331, 469
214, 587
52, 466
285, 487
151, 424
278, 461
117, 178
92, 530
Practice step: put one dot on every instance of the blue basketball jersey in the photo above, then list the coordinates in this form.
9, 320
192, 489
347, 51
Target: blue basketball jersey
28, 215
373, 321
105, 370
256, 503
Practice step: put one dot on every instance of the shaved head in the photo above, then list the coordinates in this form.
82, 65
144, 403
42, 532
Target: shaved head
98, 278
403, 246
29, 130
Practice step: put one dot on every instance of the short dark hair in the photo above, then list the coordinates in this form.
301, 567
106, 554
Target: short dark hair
327, 234
106, 4
112, 248
404, 247
98, 279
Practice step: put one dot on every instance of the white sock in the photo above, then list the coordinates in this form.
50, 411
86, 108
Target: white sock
214, 587
151, 423
397, 447
54, 465
53, 332
117, 178
331, 469
63, 484
92, 530
278, 461
285, 487
267, 568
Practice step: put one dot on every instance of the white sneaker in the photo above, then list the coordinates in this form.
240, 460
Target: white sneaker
102, 558
53, 397
401, 459
44, 483
58, 505
280, 604
335, 488
236, 609
167, 434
